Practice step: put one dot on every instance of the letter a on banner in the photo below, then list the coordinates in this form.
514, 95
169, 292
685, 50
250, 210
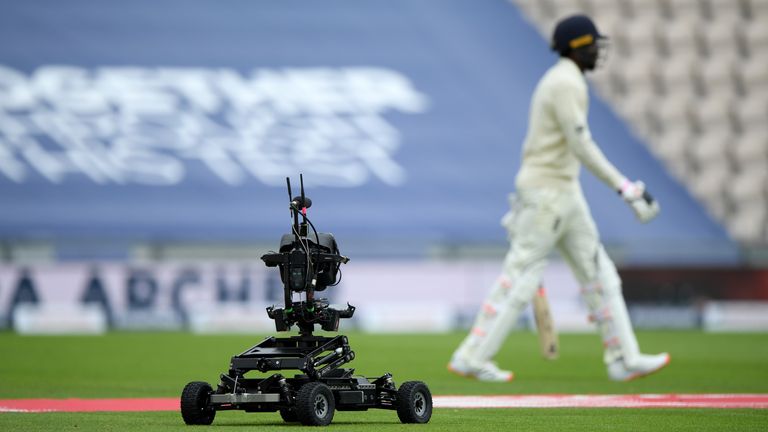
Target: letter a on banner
24, 293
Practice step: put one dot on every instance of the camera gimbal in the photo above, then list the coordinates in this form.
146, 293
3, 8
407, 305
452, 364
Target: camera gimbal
307, 263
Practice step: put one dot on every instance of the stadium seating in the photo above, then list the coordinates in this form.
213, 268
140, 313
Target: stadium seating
691, 77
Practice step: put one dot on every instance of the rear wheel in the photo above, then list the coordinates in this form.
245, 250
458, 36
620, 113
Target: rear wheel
195, 407
414, 402
315, 404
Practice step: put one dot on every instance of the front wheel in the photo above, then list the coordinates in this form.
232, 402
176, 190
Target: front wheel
288, 415
414, 402
315, 404
195, 407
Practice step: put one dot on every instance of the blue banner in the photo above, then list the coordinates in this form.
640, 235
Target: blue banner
180, 120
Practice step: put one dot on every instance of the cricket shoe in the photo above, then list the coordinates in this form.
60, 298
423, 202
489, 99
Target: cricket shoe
644, 365
485, 371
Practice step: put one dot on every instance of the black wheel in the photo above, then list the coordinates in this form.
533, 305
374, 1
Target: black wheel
315, 404
414, 402
289, 415
195, 409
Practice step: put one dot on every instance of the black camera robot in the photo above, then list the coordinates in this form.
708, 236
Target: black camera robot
308, 263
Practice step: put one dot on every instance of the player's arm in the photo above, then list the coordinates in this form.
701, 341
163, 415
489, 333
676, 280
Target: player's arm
573, 121
572, 118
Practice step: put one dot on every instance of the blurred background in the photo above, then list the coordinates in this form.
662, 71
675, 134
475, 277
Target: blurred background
144, 148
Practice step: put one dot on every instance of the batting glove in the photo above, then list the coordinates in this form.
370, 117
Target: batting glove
642, 203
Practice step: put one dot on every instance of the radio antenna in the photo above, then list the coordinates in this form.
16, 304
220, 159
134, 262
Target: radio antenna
288, 182
294, 212
303, 199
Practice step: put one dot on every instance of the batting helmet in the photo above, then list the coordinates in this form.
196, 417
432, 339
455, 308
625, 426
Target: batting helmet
574, 32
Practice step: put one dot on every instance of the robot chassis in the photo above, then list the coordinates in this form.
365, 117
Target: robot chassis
307, 263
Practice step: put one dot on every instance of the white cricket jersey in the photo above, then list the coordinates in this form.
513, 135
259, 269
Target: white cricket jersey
558, 139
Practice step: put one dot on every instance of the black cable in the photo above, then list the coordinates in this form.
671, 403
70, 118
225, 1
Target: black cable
306, 247
338, 271
317, 237
306, 251
338, 265
317, 240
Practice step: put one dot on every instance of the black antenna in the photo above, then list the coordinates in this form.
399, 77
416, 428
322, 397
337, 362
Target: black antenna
304, 207
288, 181
294, 212
303, 199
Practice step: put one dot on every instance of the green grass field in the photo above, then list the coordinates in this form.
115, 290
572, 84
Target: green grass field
160, 364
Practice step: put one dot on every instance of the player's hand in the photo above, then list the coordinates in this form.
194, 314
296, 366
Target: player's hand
642, 203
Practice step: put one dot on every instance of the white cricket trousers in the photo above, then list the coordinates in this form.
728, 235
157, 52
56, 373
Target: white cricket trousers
538, 221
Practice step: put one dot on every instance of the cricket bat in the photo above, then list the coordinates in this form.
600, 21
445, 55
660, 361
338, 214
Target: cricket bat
548, 341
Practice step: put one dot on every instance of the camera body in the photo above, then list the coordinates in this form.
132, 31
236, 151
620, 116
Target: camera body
304, 256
